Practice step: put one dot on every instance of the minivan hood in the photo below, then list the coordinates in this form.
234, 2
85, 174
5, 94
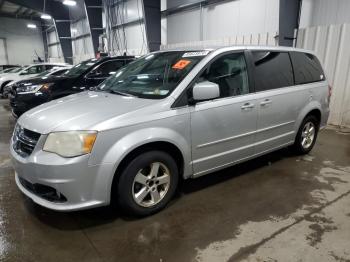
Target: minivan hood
80, 111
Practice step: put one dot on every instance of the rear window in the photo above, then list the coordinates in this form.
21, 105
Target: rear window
307, 68
272, 70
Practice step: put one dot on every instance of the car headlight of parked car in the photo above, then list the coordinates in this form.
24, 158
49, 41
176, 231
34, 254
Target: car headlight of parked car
70, 143
25, 89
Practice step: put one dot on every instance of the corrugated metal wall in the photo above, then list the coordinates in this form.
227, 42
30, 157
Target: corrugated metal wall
324, 12
54, 47
331, 44
218, 20
249, 39
128, 32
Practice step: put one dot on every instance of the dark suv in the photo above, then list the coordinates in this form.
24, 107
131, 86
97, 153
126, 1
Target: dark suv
30, 93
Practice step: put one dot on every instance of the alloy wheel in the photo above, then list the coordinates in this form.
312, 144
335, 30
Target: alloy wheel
308, 135
151, 184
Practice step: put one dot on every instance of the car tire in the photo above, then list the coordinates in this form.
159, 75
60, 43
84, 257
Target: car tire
307, 135
147, 183
2, 89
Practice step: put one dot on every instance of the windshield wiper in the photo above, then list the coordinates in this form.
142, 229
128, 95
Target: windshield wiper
120, 93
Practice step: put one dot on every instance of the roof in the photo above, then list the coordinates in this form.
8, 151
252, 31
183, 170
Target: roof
117, 57
241, 47
47, 63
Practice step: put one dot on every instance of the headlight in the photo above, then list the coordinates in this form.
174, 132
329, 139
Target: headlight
25, 89
71, 143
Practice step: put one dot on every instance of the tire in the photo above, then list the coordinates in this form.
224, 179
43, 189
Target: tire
306, 139
3, 88
139, 193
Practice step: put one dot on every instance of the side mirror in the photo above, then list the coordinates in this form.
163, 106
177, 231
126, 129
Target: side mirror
205, 91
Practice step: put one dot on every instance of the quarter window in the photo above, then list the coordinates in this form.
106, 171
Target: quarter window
272, 70
307, 68
230, 73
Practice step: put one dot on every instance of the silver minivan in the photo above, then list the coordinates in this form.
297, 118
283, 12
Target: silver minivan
167, 116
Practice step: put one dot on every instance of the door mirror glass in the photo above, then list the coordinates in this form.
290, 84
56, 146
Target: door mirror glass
205, 91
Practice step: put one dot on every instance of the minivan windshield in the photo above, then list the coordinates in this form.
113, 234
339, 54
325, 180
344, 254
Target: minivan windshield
80, 68
153, 76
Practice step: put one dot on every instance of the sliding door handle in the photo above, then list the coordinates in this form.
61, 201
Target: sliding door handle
247, 106
266, 102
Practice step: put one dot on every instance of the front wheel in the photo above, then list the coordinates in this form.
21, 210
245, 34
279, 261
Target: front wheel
307, 135
148, 183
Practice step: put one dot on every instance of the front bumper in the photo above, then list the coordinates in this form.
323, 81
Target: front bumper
78, 184
20, 103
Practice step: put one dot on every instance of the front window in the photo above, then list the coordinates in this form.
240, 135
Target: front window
80, 68
17, 69
153, 76
33, 70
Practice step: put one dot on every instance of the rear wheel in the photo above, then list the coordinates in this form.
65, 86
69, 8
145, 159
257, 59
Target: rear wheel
307, 135
148, 183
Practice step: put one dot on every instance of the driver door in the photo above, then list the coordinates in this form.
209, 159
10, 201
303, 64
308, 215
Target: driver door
223, 130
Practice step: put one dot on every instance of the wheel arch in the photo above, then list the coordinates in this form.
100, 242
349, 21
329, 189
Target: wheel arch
313, 108
164, 146
139, 141
4, 84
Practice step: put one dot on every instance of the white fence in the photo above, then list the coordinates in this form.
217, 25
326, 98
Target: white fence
269, 39
331, 44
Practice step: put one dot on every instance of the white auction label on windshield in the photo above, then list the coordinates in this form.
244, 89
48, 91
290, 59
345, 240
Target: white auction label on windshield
198, 53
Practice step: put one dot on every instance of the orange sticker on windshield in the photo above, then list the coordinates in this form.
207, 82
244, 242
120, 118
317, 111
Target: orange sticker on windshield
181, 64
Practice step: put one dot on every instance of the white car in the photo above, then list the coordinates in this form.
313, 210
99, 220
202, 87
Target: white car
27, 72
11, 70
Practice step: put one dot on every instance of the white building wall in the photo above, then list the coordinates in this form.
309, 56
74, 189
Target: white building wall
226, 19
324, 12
22, 42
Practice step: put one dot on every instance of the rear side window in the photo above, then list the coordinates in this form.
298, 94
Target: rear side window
272, 70
307, 68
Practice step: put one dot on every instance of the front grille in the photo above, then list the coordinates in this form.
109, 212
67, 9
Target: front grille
24, 141
46, 192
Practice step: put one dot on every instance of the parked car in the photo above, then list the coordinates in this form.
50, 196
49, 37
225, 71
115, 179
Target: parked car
55, 71
8, 70
168, 116
4, 67
28, 94
26, 72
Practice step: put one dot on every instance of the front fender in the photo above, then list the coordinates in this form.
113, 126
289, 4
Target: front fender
107, 154
144, 136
